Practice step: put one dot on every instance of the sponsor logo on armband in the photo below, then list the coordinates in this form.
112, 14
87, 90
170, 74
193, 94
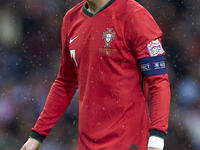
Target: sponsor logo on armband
162, 64
145, 67
159, 65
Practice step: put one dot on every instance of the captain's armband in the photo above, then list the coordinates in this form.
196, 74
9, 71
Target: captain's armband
151, 66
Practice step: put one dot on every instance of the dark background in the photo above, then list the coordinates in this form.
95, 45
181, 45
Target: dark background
30, 50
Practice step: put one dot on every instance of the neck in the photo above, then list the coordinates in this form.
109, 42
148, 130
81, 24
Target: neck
95, 5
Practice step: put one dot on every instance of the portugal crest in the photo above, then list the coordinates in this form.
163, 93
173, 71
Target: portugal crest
108, 36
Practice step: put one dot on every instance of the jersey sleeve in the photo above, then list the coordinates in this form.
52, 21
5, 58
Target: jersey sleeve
160, 101
145, 35
145, 39
61, 92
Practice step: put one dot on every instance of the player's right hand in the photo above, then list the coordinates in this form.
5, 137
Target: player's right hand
31, 144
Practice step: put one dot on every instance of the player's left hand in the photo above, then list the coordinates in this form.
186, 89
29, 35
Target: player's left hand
152, 148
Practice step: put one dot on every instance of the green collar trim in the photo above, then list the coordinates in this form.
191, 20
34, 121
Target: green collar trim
88, 13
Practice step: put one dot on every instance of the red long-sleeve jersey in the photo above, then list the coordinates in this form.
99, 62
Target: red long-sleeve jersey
101, 56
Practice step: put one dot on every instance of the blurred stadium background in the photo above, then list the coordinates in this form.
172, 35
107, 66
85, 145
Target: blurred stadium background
30, 50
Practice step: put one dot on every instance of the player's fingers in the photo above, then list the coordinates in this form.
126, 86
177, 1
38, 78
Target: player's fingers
23, 148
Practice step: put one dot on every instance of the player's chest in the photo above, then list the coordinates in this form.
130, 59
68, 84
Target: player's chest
94, 38
91, 41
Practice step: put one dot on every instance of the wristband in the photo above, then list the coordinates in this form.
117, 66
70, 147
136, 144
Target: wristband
156, 142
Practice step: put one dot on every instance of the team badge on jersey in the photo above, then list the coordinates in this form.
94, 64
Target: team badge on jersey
155, 48
108, 36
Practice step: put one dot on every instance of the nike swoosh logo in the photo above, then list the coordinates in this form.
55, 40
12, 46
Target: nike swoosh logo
71, 40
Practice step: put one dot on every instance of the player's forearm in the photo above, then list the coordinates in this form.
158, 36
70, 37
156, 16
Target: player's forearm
160, 101
58, 100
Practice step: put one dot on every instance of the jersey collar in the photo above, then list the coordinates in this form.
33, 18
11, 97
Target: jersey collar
93, 14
